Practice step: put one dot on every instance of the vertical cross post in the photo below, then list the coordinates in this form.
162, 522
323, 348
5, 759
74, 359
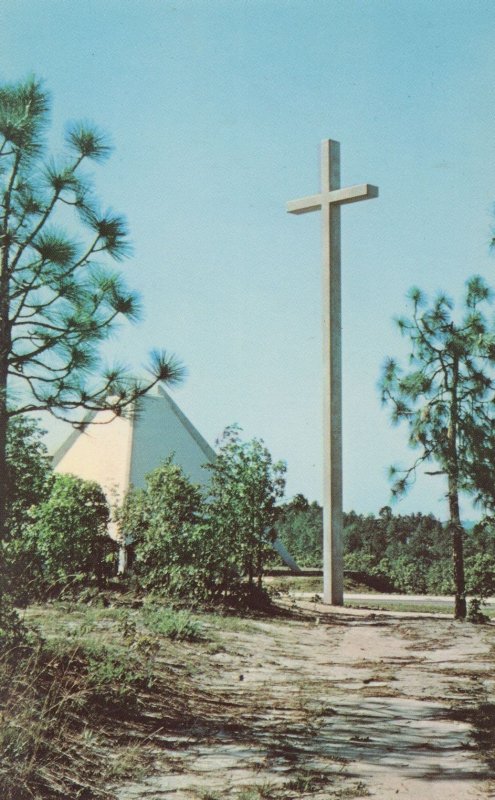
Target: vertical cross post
329, 200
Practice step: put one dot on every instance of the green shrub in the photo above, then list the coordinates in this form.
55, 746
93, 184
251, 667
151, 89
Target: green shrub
475, 614
112, 676
243, 492
176, 625
176, 552
27, 482
407, 576
162, 519
69, 532
439, 577
480, 575
299, 525
29, 471
200, 548
13, 633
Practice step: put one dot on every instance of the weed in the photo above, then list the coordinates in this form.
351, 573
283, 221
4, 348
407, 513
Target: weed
358, 789
482, 718
13, 632
126, 762
177, 625
45, 749
214, 648
229, 623
307, 781
475, 614
54, 697
111, 672
263, 791
291, 583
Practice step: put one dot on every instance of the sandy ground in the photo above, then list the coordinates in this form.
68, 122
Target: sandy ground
333, 705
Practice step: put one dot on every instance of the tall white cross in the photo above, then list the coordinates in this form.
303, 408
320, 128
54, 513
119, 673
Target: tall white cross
329, 200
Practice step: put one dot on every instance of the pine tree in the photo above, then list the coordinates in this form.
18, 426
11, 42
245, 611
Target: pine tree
60, 296
446, 397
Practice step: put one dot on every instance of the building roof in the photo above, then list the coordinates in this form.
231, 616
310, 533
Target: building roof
118, 452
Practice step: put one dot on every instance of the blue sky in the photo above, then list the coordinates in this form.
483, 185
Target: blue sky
216, 111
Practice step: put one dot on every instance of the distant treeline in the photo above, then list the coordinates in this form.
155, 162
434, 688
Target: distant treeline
403, 553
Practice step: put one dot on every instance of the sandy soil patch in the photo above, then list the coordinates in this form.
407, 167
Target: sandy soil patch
333, 705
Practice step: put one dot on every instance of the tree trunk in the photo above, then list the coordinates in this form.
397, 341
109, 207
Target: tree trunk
5, 345
5, 348
453, 493
457, 554
261, 546
3, 474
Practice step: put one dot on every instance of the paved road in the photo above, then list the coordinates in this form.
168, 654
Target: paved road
419, 599
410, 599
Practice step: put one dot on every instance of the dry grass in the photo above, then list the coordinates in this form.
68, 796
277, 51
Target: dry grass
83, 692
46, 746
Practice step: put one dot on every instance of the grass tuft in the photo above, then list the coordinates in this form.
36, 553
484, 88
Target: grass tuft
179, 626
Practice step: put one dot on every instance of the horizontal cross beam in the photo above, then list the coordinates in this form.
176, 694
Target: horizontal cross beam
351, 194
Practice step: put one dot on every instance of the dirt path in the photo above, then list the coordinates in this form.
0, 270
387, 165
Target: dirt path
334, 706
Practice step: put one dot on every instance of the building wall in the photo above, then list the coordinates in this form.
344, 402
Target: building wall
100, 453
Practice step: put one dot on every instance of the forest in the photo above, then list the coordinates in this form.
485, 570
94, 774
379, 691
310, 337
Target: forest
392, 552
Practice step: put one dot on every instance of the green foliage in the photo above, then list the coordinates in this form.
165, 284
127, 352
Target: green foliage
111, 675
407, 553
28, 470
177, 551
198, 547
164, 520
480, 575
475, 614
69, 532
244, 489
176, 625
480, 566
446, 398
407, 576
28, 482
439, 578
300, 527
63, 296
52, 695
13, 633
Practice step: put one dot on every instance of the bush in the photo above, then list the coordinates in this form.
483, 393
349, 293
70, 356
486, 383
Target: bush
29, 471
407, 576
176, 552
162, 519
68, 533
475, 614
480, 575
28, 481
244, 489
13, 632
176, 625
299, 526
439, 577
187, 547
